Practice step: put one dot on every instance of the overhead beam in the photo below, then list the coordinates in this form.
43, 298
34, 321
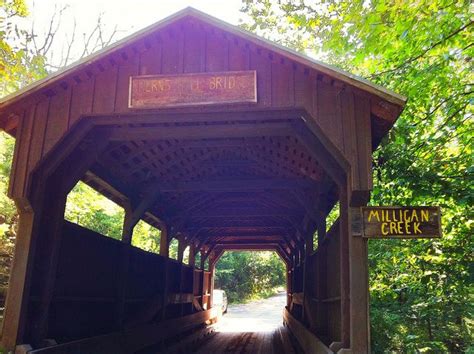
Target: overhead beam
200, 132
232, 185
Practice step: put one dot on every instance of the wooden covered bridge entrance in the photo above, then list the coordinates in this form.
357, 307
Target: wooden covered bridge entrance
217, 175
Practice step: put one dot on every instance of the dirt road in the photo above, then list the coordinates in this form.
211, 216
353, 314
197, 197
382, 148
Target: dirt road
248, 328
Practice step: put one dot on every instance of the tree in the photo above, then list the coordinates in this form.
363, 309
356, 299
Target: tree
423, 49
249, 275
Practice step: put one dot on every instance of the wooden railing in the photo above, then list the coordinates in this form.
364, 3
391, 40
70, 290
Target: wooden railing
134, 339
306, 339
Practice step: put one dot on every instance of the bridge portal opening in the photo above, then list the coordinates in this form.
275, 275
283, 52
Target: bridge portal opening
254, 283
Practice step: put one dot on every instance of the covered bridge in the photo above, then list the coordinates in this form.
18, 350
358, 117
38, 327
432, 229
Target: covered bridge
254, 161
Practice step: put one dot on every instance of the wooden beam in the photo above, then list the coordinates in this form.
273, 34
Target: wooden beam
200, 132
164, 243
239, 185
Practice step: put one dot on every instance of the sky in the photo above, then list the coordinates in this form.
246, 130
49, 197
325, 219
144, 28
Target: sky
129, 15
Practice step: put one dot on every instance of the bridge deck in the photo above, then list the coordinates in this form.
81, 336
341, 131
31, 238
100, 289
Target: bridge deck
277, 341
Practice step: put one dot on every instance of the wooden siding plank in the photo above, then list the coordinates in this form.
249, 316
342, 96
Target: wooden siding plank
303, 90
81, 102
194, 49
364, 146
282, 84
105, 87
239, 56
150, 59
19, 170
126, 69
217, 55
327, 112
170, 58
58, 117
259, 61
39, 129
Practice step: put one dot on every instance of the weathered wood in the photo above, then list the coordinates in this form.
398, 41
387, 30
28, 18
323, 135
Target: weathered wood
297, 298
307, 340
193, 132
400, 222
157, 91
346, 257
17, 299
134, 339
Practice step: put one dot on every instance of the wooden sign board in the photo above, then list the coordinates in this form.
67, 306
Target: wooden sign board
156, 91
401, 222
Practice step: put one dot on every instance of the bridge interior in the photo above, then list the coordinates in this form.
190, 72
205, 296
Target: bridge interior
215, 178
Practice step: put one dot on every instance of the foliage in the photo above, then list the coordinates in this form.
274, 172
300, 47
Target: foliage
18, 64
419, 289
8, 215
248, 275
146, 237
88, 208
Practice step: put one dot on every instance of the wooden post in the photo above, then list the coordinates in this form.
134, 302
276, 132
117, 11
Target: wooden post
46, 256
345, 279
288, 284
306, 297
17, 299
359, 290
127, 233
181, 248
322, 275
192, 255
203, 275
164, 251
164, 243
192, 262
212, 270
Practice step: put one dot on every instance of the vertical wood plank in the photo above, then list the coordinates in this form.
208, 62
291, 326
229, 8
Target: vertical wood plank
105, 88
282, 83
239, 56
58, 117
39, 129
81, 101
259, 61
194, 49
150, 59
19, 169
348, 127
171, 62
303, 90
216, 53
364, 142
126, 69
328, 112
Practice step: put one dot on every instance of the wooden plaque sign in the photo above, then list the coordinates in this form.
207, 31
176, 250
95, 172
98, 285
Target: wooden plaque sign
401, 222
155, 91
